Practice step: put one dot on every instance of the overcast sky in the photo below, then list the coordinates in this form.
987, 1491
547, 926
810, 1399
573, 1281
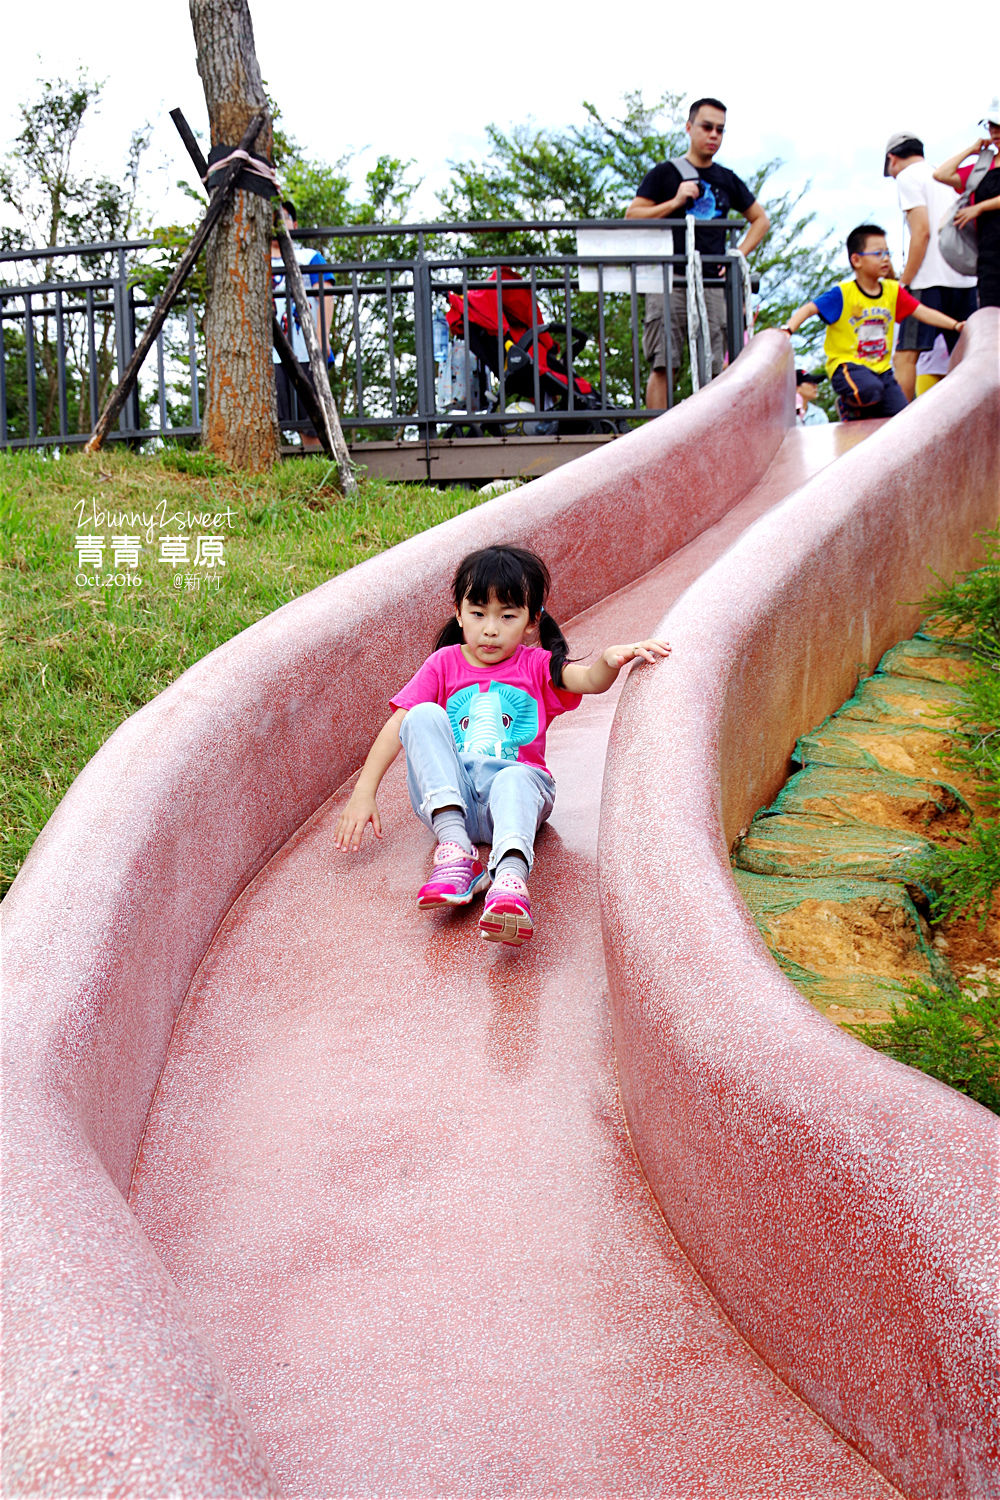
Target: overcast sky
801, 83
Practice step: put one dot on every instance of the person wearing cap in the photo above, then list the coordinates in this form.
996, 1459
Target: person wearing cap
807, 413
926, 273
984, 209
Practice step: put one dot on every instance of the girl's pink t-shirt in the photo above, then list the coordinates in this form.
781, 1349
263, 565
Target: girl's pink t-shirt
502, 710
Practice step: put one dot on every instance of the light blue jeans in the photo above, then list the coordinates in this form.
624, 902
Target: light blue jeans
505, 802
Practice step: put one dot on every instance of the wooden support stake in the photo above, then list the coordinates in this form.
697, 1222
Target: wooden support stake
331, 421
216, 205
193, 149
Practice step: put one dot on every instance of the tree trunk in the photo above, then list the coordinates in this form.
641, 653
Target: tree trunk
240, 419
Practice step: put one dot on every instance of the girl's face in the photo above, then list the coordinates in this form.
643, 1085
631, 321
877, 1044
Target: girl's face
492, 631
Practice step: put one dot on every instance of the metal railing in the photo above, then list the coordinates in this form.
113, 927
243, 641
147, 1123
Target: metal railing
65, 339
382, 293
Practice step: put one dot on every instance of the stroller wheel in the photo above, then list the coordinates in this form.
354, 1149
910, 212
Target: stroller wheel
518, 408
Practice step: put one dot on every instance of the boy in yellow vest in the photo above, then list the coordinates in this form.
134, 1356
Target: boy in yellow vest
860, 317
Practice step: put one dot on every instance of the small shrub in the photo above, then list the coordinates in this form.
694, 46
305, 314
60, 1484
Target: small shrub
952, 1035
962, 880
973, 598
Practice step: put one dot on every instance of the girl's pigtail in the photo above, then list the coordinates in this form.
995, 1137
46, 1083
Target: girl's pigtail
551, 638
451, 635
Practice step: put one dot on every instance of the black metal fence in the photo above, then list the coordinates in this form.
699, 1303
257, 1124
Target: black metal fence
418, 321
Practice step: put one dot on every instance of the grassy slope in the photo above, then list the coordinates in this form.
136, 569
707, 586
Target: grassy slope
78, 660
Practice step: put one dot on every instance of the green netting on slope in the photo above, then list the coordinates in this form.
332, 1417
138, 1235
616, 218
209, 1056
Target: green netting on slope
897, 720
905, 700
842, 942
797, 844
942, 629
857, 795
935, 660
906, 750
824, 868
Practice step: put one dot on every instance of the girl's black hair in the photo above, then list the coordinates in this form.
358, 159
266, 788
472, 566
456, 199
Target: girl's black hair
514, 576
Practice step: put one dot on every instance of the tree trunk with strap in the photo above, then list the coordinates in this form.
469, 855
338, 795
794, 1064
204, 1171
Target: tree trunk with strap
240, 417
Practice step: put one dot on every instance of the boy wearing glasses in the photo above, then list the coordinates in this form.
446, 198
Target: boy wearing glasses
694, 184
860, 317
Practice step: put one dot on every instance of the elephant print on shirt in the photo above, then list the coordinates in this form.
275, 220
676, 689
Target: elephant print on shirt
496, 722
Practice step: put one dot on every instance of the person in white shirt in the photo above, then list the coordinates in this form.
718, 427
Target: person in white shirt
926, 273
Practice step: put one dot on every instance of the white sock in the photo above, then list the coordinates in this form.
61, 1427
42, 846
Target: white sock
449, 827
512, 864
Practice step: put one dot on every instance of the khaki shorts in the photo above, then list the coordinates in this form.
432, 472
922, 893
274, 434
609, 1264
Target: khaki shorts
654, 343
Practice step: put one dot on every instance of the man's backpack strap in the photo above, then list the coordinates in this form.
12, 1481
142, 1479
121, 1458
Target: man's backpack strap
688, 171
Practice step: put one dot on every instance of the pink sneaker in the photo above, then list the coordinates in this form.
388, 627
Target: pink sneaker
506, 916
456, 879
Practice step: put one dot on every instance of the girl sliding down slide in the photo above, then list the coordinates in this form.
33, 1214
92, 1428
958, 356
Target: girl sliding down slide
472, 723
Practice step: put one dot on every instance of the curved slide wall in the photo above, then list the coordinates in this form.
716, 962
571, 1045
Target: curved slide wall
841, 1207
109, 1385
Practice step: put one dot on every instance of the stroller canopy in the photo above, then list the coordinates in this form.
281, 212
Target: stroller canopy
512, 312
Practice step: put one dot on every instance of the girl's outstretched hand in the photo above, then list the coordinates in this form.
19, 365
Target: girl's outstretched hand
651, 650
361, 810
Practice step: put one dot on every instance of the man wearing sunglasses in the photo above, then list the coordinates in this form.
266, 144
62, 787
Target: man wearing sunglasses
694, 184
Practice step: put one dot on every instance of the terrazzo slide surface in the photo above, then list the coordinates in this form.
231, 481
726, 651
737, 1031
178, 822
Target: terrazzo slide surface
386, 1164
308, 1193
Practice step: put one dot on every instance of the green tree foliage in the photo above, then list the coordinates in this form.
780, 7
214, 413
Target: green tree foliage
588, 171
368, 295
577, 173
53, 202
593, 170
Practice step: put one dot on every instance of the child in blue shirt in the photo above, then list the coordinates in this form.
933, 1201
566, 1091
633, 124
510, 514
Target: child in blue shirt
860, 316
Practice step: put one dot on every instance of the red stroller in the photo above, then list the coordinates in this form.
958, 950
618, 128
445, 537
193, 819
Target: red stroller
513, 338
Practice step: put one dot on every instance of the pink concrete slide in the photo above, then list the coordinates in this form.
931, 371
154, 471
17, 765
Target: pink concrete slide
302, 1200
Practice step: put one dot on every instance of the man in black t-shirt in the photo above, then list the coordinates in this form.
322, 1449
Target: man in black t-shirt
665, 194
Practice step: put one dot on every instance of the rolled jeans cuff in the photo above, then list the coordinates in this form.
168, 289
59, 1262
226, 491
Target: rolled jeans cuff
432, 802
511, 845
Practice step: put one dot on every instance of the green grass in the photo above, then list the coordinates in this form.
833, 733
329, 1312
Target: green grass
953, 1032
963, 879
952, 1035
77, 659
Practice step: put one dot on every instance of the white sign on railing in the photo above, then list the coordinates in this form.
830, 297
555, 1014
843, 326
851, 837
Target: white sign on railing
595, 244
